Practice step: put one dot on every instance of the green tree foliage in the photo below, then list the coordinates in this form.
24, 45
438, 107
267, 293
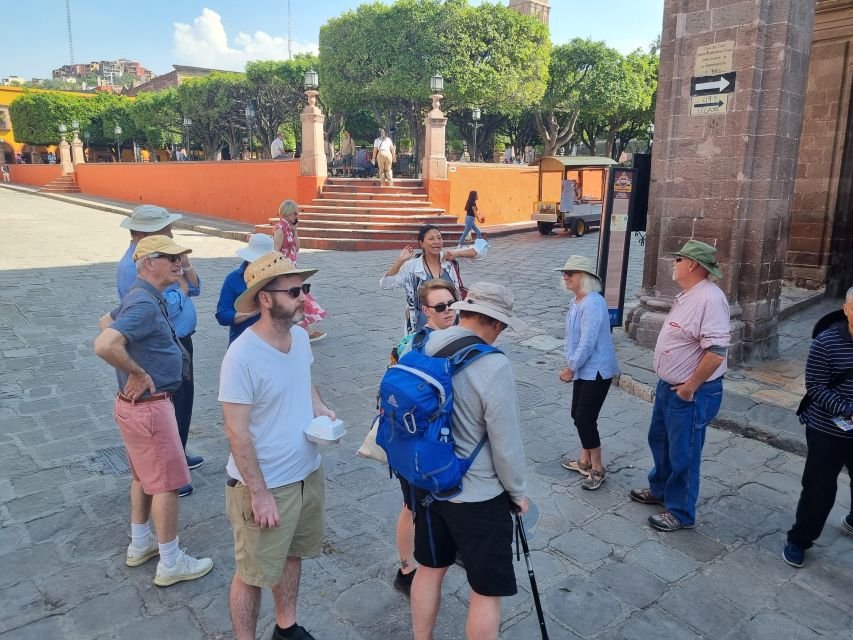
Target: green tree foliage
158, 114
37, 115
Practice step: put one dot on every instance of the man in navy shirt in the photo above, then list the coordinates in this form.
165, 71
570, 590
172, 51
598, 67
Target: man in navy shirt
259, 244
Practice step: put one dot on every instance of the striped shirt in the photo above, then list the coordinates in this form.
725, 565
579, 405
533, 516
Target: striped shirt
830, 355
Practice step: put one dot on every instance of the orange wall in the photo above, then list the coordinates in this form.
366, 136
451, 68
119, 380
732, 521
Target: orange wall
248, 191
505, 193
34, 174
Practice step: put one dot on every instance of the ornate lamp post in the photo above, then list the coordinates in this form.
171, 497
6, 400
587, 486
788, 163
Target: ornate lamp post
651, 131
475, 116
118, 143
435, 157
312, 161
250, 114
187, 124
76, 145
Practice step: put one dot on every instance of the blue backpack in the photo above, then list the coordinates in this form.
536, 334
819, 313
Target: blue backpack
416, 415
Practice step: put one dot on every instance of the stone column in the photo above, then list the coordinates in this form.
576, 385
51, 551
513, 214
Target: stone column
313, 159
435, 162
724, 165
65, 156
77, 154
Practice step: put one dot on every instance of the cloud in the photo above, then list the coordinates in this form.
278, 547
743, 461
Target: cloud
204, 43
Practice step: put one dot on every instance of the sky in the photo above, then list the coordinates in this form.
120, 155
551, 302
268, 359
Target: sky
224, 35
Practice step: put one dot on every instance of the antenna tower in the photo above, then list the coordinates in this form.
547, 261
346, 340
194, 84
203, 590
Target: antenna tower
68, 20
289, 39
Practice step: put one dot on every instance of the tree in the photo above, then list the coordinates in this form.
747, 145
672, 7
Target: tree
37, 115
159, 115
208, 102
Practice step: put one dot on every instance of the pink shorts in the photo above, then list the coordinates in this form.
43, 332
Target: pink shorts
150, 434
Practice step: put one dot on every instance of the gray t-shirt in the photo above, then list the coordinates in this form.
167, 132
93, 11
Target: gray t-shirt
485, 400
150, 342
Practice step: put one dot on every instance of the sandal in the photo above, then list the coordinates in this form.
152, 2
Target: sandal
582, 468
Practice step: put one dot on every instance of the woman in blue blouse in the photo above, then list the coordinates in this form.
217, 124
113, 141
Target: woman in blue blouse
590, 364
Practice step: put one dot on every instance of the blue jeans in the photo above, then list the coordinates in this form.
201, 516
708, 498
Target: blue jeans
676, 438
469, 225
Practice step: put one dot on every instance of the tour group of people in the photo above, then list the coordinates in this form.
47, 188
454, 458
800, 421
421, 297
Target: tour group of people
275, 495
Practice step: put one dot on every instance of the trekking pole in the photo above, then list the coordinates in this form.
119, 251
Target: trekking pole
521, 535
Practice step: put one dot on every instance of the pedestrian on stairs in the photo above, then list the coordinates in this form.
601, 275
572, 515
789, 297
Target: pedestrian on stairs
384, 150
286, 240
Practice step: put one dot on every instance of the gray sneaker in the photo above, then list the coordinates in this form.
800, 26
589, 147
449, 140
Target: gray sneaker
186, 568
594, 480
137, 556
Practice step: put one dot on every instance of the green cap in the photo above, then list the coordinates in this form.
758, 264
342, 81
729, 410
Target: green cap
703, 253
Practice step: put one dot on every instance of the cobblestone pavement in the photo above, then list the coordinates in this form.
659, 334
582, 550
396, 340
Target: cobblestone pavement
602, 571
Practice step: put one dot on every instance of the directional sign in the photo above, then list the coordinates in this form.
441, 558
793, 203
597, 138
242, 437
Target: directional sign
709, 105
713, 85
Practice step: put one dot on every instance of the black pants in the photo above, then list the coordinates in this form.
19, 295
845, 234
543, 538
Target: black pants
826, 456
587, 398
183, 397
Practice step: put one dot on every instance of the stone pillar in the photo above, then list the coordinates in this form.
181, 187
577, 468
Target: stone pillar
313, 159
435, 162
77, 154
724, 165
65, 156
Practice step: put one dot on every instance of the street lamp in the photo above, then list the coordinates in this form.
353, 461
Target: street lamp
475, 116
250, 113
312, 81
75, 125
436, 83
187, 124
118, 143
651, 131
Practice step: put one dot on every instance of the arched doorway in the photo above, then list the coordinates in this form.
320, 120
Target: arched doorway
8, 152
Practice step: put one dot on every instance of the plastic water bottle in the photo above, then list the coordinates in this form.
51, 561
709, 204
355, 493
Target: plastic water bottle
445, 434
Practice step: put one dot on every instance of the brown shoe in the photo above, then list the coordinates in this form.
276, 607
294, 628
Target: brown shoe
644, 496
316, 335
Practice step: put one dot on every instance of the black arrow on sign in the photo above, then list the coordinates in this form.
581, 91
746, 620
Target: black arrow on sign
718, 103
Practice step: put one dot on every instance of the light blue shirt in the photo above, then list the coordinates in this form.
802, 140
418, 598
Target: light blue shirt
589, 345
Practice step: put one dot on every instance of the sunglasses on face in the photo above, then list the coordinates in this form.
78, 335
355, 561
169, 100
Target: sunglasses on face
172, 259
441, 307
293, 292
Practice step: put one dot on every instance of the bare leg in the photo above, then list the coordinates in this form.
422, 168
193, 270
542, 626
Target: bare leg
164, 509
586, 456
245, 602
406, 541
595, 458
285, 592
426, 599
140, 503
484, 617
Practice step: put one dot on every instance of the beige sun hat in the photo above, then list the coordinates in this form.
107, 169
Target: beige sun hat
261, 272
149, 218
158, 244
579, 263
492, 300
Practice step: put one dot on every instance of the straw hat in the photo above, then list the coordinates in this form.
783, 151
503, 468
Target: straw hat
579, 263
492, 300
263, 271
149, 218
703, 253
158, 244
259, 244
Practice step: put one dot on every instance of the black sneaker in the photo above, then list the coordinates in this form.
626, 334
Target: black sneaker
403, 582
300, 633
184, 491
194, 462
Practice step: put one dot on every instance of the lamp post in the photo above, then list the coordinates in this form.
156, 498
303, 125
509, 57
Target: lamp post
250, 114
475, 116
651, 131
187, 124
118, 143
311, 80
62, 130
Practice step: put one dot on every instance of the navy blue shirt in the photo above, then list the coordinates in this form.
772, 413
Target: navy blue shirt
830, 355
150, 342
234, 285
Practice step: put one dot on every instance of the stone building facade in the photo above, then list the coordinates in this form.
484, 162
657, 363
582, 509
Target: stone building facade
539, 8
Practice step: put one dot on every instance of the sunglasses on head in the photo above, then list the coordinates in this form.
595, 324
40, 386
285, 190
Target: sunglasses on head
441, 307
293, 292
172, 259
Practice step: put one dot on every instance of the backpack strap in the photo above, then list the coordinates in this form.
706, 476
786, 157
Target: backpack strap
457, 345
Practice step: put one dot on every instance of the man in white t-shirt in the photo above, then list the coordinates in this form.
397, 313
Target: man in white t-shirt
277, 147
275, 497
384, 151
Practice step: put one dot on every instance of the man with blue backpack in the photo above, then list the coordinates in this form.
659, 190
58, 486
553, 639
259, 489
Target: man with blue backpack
465, 504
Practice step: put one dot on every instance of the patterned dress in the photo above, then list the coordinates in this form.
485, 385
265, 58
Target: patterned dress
313, 311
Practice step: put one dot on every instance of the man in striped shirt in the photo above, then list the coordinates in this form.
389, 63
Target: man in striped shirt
829, 434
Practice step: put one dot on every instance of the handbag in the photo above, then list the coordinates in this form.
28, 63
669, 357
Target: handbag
369, 449
463, 290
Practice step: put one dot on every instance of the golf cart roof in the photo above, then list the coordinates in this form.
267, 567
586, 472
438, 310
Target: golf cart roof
558, 163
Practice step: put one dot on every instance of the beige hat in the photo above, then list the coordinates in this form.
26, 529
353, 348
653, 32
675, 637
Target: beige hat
287, 207
492, 300
263, 271
149, 218
158, 244
579, 263
259, 244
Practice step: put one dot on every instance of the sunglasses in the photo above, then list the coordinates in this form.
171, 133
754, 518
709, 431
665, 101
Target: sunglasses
293, 292
172, 259
679, 258
441, 307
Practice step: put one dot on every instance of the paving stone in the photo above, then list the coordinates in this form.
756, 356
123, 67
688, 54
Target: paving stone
581, 547
50, 627
823, 618
772, 625
662, 561
654, 623
632, 585
616, 530
582, 607
701, 610
94, 616
173, 624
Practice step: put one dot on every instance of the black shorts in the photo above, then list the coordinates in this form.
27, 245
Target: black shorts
406, 488
482, 534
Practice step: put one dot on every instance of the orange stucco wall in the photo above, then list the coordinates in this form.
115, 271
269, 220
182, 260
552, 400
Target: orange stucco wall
36, 175
247, 191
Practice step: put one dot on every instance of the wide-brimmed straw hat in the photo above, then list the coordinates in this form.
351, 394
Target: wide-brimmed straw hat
579, 263
492, 300
259, 244
263, 271
158, 244
704, 254
149, 218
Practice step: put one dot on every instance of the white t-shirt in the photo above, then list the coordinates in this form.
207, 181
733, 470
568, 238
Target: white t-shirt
277, 148
383, 145
278, 386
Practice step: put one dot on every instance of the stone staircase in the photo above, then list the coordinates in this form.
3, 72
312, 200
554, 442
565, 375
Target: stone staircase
357, 214
63, 184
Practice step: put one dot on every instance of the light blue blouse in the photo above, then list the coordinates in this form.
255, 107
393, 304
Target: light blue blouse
589, 345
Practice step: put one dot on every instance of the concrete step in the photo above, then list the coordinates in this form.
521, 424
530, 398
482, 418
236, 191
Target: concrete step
307, 218
402, 211
406, 182
372, 225
351, 244
371, 188
372, 199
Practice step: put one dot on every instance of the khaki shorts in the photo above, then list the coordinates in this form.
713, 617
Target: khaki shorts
261, 553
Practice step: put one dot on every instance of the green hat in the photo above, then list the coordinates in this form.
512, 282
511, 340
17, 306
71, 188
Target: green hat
703, 253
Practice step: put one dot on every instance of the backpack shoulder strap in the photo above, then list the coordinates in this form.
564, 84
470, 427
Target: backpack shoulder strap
457, 345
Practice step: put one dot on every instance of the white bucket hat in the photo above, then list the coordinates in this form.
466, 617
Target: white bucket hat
492, 300
259, 244
149, 218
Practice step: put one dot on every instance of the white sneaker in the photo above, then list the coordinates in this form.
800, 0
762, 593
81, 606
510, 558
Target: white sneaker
137, 556
186, 568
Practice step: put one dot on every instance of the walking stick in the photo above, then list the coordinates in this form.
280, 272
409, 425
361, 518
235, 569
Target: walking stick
521, 535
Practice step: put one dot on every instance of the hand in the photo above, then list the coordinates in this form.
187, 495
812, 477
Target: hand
684, 392
521, 507
567, 375
137, 384
265, 510
406, 253
448, 255
185, 262
324, 411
